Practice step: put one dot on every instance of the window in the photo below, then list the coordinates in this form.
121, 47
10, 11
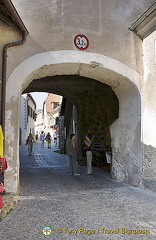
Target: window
55, 104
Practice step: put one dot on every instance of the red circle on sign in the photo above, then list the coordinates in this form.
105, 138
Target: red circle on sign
81, 42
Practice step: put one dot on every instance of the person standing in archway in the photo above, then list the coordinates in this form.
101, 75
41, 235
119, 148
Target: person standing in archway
72, 153
30, 141
89, 155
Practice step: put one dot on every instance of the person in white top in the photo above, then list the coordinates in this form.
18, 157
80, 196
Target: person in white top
42, 138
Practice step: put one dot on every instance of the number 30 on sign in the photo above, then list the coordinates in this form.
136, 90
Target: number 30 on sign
81, 42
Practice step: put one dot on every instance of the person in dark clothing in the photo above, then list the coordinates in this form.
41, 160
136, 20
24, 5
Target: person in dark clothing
30, 141
48, 139
72, 153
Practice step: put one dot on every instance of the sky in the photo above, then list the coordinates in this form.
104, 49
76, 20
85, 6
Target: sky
39, 98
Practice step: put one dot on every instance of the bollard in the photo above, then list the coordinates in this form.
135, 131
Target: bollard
1, 193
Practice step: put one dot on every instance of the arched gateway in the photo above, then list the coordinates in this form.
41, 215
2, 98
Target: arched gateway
125, 131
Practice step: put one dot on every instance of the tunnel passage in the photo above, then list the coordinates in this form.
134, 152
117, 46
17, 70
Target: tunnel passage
95, 101
96, 104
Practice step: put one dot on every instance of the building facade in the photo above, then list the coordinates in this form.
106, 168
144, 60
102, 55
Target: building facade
27, 117
39, 123
96, 54
46, 119
51, 109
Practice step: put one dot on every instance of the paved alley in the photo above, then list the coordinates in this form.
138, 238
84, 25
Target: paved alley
76, 207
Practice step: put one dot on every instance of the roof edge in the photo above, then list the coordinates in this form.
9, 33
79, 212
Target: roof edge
13, 12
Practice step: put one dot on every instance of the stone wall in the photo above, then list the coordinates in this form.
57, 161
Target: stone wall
9, 203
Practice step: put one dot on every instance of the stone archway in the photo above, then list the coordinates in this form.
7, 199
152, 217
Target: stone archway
96, 108
125, 131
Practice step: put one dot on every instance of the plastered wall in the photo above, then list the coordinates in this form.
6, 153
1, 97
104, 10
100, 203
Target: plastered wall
149, 112
52, 25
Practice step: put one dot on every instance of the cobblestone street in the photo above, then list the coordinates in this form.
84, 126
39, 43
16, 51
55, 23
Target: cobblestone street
76, 207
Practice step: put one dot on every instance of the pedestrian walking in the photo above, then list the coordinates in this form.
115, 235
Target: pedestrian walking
56, 138
30, 141
36, 136
42, 138
72, 153
89, 155
48, 139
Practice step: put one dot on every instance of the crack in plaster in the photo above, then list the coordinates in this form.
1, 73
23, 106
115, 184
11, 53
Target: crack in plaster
94, 64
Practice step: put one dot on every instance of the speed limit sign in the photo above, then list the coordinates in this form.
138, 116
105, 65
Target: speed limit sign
81, 42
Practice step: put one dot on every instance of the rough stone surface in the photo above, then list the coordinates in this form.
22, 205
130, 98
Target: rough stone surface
51, 197
9, 203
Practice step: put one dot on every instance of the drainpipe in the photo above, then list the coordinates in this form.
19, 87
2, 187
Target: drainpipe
11, 9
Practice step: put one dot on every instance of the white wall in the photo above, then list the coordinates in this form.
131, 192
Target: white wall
39, 125
149, 112
23, 120
26, 122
